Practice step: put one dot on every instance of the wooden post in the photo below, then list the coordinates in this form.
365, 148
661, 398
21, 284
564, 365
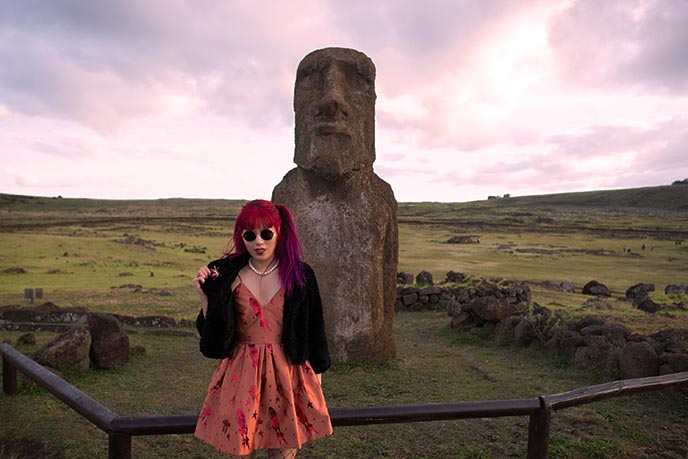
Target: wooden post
119, 445
538, 432
9, 377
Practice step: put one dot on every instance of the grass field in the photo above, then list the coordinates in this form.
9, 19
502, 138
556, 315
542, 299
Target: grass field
81, 252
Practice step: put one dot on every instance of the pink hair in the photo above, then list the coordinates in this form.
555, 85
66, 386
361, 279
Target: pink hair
262, 213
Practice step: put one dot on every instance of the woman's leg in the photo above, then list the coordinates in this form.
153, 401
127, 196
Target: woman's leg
282, 453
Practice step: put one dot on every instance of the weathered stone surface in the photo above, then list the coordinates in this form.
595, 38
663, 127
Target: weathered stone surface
588, 321
614, 333
639, 291
69, 350
46, 312
35, 326
462, 320
344, 212
455, 278
404, 278
676, 289
464, 239
505, 328
109, 342
430, 291
672, 341
567, 343
409, 299
638, 360
524, 333
596, 288
677, 362
424, 278
648, 305
597, 354
607, 330
490, 309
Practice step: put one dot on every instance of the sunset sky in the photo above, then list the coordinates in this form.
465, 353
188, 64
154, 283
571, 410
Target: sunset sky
129, 99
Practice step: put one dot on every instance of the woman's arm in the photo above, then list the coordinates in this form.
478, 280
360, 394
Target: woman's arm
203, 273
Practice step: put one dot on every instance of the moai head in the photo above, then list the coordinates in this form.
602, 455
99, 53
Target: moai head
334, 104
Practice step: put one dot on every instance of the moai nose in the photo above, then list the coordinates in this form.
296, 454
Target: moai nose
333, 102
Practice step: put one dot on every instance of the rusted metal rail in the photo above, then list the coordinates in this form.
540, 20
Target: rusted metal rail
120, 429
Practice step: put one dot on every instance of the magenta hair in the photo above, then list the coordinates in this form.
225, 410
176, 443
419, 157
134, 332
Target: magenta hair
261, 213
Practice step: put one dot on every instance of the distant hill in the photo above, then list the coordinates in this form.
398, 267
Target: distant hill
670, 197
657, 211
658, 198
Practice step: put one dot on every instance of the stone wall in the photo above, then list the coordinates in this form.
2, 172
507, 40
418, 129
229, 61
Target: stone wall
452, 297
506, 309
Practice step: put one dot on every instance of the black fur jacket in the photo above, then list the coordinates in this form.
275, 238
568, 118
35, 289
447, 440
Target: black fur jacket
303, 333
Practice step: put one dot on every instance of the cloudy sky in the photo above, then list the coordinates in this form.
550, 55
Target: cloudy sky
170, 98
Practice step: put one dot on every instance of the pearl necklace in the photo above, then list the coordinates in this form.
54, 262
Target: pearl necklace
264, 273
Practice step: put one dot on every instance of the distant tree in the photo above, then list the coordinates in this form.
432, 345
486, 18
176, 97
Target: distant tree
681, 182
507, 196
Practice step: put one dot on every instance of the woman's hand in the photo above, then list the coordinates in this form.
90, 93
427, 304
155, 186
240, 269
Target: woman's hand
203, 273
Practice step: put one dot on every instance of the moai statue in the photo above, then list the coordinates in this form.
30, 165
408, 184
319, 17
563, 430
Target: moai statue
344, 212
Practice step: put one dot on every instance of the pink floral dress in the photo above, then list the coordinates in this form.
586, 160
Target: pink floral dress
256, 398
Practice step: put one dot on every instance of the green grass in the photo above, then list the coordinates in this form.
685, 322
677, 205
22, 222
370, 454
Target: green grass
67, 247
434, 365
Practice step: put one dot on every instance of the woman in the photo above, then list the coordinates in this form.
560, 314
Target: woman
261, 314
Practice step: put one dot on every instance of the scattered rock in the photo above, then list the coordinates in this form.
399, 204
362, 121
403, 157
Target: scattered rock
110, 343
505, 328
596, 288
14, 271
677, 362
648, 305
640, 291
68, 350
462, 320
638, 360
595, 355
404, 278
455, 278
424, 278
489, 309
468, 239
187, 323
676, 289
27, 338
588, 321
524, 334
46, 312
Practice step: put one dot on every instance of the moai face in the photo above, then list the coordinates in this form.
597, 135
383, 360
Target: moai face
334, 104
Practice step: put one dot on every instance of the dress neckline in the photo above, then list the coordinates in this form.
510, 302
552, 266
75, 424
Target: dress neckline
243, 285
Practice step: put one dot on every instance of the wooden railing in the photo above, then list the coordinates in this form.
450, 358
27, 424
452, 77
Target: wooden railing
120, 429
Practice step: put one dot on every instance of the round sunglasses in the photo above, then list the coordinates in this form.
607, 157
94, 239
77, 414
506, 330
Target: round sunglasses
250, 235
